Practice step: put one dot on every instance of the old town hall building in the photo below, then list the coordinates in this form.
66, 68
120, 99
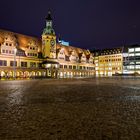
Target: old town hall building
23, 56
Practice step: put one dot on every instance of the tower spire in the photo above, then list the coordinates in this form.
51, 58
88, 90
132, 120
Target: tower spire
49, 25
49, 18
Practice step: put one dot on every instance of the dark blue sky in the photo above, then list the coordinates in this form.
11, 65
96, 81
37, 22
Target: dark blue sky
84, 23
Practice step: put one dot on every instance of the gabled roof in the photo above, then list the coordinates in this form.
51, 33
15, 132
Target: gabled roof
21, 40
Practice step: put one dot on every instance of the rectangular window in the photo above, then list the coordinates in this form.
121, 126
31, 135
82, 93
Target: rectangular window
137, 62
131, 50
32, 64
6, 51
80, 67
23, 64
74, 67
131, 67
65, 66
3, 63
61, 66
137, 49
67, 58
13, 63
137, 54
70, 67
3, 51
131, 54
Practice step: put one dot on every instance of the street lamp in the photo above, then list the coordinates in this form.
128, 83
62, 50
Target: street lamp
14, 64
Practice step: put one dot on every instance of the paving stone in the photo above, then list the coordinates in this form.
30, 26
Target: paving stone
70, 109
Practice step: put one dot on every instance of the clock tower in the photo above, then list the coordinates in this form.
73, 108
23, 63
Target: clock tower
49, 39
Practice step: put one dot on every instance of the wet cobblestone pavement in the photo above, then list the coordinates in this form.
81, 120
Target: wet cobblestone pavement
70, 109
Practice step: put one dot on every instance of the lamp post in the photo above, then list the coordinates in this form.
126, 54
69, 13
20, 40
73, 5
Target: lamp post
14, 64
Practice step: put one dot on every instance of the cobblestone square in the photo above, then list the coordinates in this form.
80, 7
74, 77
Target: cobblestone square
70, 109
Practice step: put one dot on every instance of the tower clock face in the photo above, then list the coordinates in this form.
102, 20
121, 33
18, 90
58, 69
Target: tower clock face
52, 42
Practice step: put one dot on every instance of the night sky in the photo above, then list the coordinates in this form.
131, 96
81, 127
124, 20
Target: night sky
90, 24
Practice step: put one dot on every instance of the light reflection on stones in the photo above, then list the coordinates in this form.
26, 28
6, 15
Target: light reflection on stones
99, 108
15, 98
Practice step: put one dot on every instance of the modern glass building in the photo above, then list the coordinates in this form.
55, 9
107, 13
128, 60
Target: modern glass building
132, 59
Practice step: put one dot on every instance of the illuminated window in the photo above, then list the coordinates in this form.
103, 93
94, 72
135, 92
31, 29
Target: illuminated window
137, 54
137, 49
131, 54
137, 62
131, 50
137, 66
131, 67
